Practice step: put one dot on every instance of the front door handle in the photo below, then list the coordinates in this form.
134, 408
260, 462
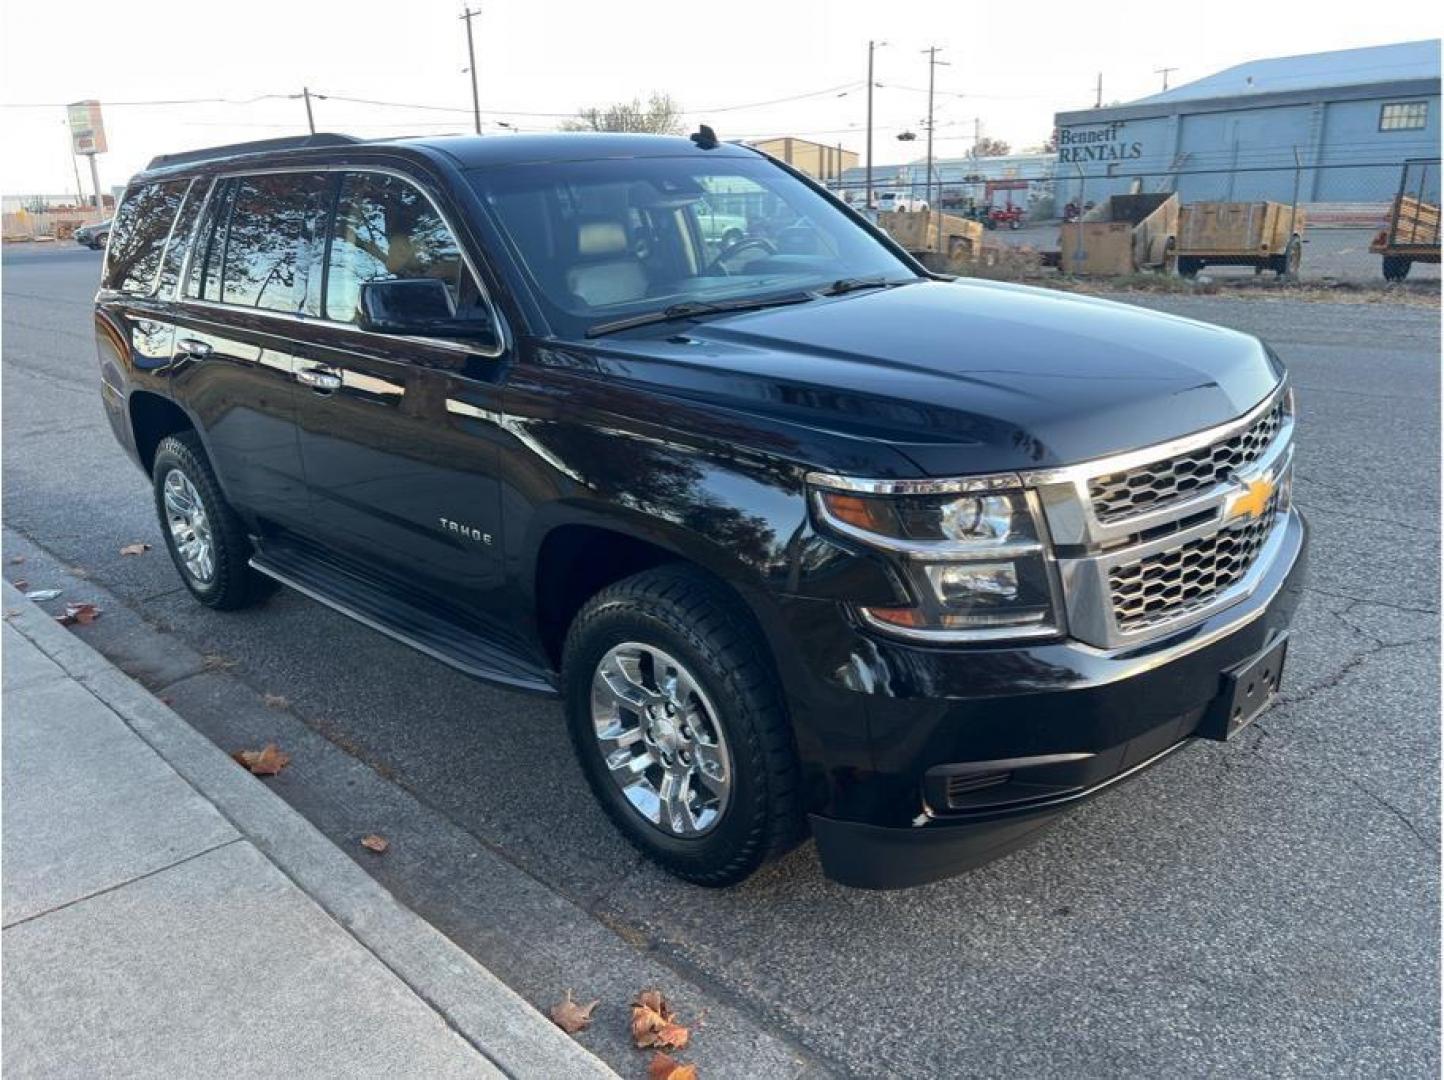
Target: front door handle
196, 350
319, 379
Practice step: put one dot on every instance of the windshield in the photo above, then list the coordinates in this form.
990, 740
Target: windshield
604, 240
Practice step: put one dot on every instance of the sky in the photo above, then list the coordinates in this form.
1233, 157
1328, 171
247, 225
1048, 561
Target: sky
1011, 64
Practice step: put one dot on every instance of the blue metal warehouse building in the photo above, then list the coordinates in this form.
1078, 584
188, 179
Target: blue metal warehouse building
1256, 130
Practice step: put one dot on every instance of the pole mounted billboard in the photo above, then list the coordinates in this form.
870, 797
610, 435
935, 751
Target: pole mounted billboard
87, 132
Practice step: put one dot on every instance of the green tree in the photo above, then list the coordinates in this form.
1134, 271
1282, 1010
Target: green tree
659, 116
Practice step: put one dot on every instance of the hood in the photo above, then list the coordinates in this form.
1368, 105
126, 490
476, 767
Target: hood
964, 376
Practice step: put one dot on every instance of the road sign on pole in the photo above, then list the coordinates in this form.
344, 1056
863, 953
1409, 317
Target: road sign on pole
87, 132
87, 136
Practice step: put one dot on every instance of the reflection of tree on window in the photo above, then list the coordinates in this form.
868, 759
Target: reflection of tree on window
271, 240
138, 235
386, 230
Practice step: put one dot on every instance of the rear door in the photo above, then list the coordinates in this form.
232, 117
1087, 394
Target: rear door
399, 434
148, 240
243, 299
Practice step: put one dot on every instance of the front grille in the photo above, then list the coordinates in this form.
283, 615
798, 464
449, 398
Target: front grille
1120, 495
1182, 579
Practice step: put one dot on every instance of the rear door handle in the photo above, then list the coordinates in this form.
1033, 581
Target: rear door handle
319, 379
196, 350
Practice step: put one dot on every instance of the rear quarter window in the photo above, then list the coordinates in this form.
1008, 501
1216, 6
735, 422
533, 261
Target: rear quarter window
138, 236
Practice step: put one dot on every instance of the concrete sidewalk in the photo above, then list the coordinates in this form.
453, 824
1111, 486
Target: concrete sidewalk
166, 915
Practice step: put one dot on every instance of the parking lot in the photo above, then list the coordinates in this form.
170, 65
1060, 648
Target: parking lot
1266, 906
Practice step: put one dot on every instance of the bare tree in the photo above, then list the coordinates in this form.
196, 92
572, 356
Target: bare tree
659, 116
987, 146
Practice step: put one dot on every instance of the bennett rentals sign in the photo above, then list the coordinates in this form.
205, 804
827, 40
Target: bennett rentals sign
1104, 143
87, 133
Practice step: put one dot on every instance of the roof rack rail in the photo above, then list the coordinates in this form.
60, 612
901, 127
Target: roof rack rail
290, 142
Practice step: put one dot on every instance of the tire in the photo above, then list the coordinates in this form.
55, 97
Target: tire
1189, 267
1015, 224
1396, 267
230, 583
695, 627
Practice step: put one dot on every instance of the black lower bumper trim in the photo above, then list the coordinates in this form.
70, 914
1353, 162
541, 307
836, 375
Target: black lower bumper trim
881, 857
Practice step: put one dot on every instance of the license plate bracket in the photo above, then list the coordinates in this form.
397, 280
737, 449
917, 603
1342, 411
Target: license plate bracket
1246, 692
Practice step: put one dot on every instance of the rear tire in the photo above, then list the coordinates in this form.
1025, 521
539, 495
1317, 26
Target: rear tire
205, 537
1396, 268
674, 625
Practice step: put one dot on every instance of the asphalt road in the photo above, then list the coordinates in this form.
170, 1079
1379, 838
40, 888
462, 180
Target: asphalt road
1269, 906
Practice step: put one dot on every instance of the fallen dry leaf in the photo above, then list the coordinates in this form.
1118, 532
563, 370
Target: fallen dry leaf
135, 549
572, 1016
375, 843
276, 701
654, 1024
663, 1067
84, 614
267, 761
21, 584
217, 662
15, 560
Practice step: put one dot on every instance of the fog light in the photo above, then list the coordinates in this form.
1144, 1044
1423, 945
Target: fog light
965, 584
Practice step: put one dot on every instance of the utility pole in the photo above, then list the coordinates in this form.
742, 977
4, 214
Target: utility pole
471, 57
867, 189
933, 63
310, 119
95, 183
1098, 98
1164, 72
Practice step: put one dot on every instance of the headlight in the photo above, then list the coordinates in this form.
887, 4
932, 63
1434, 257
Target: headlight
974, 560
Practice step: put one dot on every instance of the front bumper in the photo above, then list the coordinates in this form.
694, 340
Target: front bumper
973, 751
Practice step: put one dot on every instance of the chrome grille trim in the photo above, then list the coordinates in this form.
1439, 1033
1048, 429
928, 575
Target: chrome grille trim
1130, 578
1187, 577
1122, 495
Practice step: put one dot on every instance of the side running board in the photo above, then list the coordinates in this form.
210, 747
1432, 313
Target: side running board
469, 646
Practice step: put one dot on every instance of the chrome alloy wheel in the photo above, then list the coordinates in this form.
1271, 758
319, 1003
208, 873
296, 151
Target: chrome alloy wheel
660, 739
190, 527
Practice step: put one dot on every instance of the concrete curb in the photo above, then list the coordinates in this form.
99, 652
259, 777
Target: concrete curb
483, 1010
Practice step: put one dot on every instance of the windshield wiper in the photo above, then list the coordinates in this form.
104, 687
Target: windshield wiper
689, 309
853, 284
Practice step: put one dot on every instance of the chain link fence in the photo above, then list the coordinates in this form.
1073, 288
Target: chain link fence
1344, 209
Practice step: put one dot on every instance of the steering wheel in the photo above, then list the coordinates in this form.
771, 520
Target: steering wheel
720, 262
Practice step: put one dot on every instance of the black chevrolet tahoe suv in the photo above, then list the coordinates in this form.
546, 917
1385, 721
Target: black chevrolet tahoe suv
806, 538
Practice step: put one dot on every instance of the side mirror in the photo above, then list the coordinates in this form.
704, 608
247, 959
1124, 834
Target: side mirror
419, 307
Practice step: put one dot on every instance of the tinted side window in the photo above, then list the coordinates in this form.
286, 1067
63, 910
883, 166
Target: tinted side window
138, 235
272, 240
210, 245
384, 229
180, 237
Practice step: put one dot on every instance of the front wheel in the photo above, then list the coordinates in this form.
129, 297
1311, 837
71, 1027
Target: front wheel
679, 725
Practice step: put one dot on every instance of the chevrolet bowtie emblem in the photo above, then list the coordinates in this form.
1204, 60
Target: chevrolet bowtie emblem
1252, 501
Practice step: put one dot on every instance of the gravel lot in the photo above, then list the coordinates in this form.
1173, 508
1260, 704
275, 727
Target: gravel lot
1269, 906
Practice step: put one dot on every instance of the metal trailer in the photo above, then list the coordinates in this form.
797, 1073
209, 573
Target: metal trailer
1264, 235
1413, 231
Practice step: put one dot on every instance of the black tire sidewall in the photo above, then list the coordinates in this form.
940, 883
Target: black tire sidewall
734, 846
